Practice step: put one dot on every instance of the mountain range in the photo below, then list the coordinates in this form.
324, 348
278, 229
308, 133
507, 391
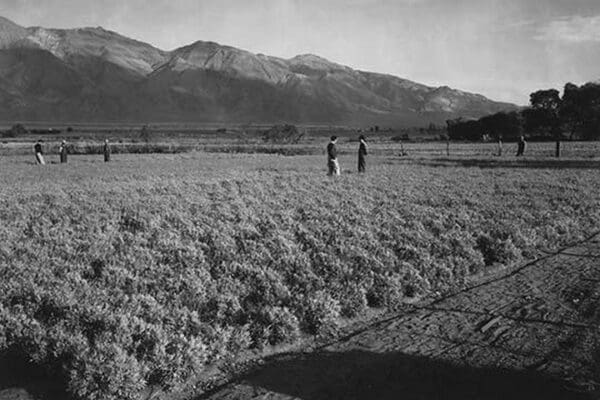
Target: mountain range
96, 75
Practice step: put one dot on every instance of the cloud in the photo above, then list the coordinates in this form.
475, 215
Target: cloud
575, 29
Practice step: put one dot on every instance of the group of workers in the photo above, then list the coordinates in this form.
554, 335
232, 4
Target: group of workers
63, 151
521, 146
332, 161
333, 166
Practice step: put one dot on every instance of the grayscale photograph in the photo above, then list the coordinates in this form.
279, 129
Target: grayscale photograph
299, 199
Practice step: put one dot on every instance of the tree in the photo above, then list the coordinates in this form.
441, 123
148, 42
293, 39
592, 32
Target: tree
146, 134
16, 130
571, 110
591, 111
502, 125
544, 114
580, 110
459, 129
283, 134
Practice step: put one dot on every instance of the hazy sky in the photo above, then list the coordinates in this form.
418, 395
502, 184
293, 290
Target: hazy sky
503, 49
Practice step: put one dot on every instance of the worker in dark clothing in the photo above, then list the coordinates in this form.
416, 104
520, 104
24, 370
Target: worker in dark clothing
106, 151
362, 153
521, 146
499, 145
63, 152
39, 154
332, 163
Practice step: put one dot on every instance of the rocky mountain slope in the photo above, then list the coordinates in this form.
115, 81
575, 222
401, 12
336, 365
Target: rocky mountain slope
91, 74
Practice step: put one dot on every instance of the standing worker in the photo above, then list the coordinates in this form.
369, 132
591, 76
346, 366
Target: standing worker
362, 153
499, 145
39, 154
332, 162
106, 151
63, 152
521, 146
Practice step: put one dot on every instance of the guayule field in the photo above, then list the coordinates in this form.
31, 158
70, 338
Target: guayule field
145, 270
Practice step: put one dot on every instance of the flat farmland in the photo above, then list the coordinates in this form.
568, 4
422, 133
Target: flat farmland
147, 270
234, 141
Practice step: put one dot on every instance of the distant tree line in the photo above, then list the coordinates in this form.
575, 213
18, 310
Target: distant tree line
431, 132
283, 134
549, 117
19, 130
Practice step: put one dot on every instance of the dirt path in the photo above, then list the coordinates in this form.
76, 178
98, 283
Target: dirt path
529, 333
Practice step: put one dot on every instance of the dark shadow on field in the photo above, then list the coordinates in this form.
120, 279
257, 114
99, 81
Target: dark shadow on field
22, 380
367, 375
512, 163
